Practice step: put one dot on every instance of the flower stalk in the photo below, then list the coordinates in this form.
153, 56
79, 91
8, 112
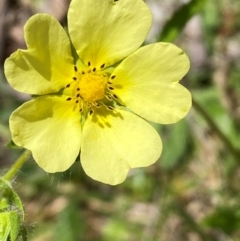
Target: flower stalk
17, 165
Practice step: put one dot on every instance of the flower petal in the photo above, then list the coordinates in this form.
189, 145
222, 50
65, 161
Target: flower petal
47, 65
106, 31
50, 127
147, 83
112, 143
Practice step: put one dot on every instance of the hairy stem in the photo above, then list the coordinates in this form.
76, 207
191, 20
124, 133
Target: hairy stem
17, 165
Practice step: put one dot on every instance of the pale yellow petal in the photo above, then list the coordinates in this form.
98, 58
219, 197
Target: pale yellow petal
50, 127
105, 31
114, 143
147, 83
47, 65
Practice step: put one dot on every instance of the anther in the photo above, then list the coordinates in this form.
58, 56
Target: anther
89, 71
69, 98
110, 108
75, 68
78, 95
78, 89
109, 97
102, 66
111, 88
110, 83
67, 86
75, 78
113, 77
97, 105
83, 72
76, 101
115, 96
94, 69
89, 63
80, 110
90, 112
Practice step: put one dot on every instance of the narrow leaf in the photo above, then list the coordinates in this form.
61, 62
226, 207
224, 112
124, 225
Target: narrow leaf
175, 25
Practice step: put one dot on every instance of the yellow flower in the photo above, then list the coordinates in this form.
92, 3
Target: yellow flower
91, 103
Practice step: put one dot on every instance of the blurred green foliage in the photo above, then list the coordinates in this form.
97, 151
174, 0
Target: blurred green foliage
226, 218
174, 26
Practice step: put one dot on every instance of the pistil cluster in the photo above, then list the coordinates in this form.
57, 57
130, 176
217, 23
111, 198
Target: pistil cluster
91, 88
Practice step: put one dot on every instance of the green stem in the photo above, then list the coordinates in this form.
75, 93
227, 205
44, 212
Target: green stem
17, 165
234, 151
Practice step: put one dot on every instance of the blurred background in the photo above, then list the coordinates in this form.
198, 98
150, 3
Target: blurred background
193, 192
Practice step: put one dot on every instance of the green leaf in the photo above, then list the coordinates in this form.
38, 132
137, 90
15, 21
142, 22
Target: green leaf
3, 204
10, 199
70, 225
11, 214
175, 25
23, 233
209, 99
4, 228
9, 225
176, 144
224, 218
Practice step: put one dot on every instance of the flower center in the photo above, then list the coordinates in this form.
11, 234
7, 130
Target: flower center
92, 87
